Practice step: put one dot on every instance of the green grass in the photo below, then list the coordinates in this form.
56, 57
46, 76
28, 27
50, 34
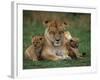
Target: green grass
55, 64
80, 31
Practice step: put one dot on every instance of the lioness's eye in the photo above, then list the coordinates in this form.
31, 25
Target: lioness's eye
61, 32
52, 32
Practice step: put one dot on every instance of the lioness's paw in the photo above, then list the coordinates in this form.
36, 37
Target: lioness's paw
34, 60
68, 58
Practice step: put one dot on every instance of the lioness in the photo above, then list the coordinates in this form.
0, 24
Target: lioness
54, 41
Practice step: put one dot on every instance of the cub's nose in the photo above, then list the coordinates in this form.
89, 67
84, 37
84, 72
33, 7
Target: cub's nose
35, 45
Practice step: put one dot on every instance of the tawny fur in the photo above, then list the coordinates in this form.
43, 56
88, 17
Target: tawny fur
54, 41
33, 52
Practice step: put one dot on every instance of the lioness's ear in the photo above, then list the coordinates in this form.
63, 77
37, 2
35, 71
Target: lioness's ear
66, 24
46, 22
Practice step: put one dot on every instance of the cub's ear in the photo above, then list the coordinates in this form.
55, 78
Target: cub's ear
32, 36
76, 39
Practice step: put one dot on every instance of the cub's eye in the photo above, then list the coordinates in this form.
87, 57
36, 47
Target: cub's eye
52, 32
61, 32
33, 42
37, 42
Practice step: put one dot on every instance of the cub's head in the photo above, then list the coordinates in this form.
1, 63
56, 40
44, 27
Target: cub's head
38, 41
74, 42
55, 32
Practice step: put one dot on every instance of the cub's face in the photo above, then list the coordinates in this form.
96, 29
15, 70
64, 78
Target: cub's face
55, 32
37, 41
74, 42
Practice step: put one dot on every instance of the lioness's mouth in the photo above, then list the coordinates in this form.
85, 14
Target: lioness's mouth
57, 43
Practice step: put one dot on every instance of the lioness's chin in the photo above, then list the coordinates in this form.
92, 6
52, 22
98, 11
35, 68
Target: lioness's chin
57, 44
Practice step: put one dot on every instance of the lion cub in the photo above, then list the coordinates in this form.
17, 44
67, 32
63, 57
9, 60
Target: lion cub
72, 46
33, 52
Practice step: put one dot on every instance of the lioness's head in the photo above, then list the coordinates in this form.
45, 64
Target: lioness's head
55, 32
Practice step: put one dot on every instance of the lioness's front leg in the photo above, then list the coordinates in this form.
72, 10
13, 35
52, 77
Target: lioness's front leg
48, 55
53, 57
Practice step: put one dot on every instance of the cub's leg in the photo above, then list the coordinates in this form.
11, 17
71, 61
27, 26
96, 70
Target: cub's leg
78, 54
30, 54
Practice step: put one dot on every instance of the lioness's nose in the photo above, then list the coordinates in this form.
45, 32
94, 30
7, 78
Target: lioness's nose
57, 39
